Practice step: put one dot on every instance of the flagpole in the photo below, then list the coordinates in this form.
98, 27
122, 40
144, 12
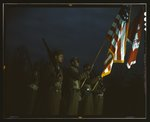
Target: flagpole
94, 61
94, 64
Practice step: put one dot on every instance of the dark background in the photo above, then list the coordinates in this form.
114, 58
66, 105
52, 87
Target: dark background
78, 31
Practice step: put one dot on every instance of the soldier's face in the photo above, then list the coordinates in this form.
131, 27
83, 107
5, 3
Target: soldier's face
60, 58
77, 64
87, 69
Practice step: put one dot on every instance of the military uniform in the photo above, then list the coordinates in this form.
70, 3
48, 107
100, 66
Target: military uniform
20, 76
33, 90
49, 94
87, 100
41, 102
51, 84
86, 106
55, 89
74, 95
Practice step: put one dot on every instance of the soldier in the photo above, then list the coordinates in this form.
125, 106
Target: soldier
87, 98
72, 79
20, 75
41, 102
33, 88
50, 90
50, 87
55, 75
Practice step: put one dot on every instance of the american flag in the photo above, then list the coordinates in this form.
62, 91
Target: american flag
134, 37
117, 36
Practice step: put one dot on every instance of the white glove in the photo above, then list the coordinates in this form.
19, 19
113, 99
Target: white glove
76, 84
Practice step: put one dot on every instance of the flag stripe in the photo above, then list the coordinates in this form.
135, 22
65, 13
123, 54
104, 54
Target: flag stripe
116, 25
120, 51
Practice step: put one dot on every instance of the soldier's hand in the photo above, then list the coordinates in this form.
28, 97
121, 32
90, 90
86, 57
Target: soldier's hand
34, 87
76, 84
58, 84
84, 75
99, 77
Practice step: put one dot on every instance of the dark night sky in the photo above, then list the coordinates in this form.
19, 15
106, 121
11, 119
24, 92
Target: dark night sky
77, 31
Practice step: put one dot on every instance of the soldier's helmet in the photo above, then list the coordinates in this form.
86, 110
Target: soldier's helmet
58, 56
86, 67
73, 59
58, 52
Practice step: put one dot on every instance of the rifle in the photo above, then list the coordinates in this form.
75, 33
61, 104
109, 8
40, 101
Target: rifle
50, 55
49, 52
101, 84
47, 48
97, 82
83, 77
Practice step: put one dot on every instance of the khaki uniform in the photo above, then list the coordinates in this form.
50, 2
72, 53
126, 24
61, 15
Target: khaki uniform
74, 95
